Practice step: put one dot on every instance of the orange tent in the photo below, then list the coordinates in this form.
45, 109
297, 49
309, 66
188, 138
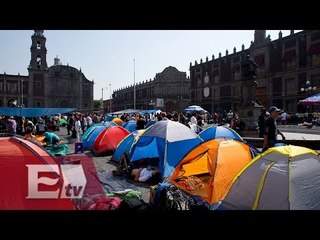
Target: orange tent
16, 154
117, 121
208, 169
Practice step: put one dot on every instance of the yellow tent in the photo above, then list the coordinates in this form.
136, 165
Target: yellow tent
208, 170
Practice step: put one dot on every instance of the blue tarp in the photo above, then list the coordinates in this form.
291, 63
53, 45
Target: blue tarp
33, 112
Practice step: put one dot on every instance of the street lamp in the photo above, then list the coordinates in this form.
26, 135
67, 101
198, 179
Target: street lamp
21, 92
110, 97
308, 89
102, 99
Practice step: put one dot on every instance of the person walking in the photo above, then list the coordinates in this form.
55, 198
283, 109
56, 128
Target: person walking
271, 130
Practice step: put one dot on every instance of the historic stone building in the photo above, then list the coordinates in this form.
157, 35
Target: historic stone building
55, 86
287, 65
168, 91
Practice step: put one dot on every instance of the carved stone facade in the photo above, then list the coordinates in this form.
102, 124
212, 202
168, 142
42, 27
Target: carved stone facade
170, 85
55, 86
285, 65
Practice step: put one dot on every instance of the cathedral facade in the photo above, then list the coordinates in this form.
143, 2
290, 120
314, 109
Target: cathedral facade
55, 86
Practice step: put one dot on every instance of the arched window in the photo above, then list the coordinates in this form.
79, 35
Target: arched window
38, 45
38, 60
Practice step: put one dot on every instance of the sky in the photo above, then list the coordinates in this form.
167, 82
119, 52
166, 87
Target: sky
106, 56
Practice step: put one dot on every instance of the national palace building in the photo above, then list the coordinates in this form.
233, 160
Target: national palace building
288, 65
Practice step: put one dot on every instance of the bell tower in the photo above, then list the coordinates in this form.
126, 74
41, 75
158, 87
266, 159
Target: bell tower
38, 51
38, 71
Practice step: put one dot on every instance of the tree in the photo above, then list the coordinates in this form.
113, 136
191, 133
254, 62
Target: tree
96, 104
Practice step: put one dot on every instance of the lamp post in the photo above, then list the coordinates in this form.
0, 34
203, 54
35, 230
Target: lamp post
134, 83
102, 99
110, 97
308, 89
21, 92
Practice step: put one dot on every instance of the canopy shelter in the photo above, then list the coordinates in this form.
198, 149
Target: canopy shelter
194, 108
33, 112
312, 100
281, 178
127, 111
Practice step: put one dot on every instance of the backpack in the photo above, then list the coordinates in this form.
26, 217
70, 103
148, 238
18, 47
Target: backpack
97, 202
176, 199
133, 204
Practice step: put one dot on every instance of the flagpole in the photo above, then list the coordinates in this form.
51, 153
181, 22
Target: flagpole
134, 84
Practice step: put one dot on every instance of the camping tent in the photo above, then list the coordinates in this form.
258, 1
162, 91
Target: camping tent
15, 155
208, 169
93, 132
167, 140
313, 100
131, 125
215, 132
281, 178
109, 139
125, 145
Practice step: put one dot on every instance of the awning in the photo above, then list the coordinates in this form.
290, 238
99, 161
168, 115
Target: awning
314, 49
288, 55
313, 100
33, 112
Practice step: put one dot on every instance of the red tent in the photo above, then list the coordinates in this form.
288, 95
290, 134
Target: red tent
16, 155
109, 139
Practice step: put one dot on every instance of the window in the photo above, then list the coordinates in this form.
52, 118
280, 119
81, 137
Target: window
215, 94
86, 87
290, 106
316, 59
225, 92
1, 86
38, 83
85, 105
38, 60
38, 45
290, 87
291, 64
38, 104
236, 91
71, 75
277, 86
56, 74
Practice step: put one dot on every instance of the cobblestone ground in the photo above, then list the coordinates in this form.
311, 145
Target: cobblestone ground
101, 163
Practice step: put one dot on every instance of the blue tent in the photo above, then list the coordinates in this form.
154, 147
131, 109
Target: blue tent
215, 132
33, 112
89, 131
131, 126
125, 145
89, 139
151, 122
167, 140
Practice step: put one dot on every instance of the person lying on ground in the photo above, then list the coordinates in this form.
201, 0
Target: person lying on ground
144, 174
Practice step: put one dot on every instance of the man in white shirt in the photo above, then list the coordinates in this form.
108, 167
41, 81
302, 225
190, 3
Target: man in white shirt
77, 127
